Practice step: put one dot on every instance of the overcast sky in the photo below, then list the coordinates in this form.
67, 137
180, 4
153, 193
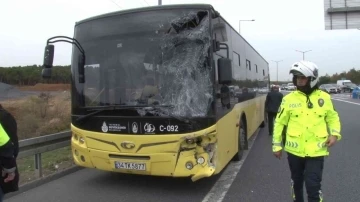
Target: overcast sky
280, 27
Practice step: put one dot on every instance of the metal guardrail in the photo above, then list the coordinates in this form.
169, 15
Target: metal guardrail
38, 145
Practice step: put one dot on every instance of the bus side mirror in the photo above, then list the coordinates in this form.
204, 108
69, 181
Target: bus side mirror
224, 71
46, 73
49, 56
48, 61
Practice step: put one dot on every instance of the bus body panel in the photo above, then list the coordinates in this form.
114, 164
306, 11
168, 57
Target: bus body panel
250, 72
102, 150
174, 154
165, 155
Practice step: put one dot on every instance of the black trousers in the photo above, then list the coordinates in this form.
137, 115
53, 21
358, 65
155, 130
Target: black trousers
308, 170
271, 118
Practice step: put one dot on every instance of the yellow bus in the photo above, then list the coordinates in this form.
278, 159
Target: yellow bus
153, 91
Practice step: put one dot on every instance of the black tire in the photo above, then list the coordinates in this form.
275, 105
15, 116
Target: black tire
242, 141
262, 125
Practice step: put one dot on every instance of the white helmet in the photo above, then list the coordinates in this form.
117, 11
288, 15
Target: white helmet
307, 69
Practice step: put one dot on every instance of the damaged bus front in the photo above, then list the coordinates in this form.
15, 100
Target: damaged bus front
143, 92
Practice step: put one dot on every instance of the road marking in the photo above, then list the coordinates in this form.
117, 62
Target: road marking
223, 184
342, 96
346, 101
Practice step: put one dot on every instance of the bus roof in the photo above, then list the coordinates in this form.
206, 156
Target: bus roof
162, 7
149, 8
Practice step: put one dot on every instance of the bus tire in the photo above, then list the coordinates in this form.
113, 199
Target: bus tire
263, 123
242, 140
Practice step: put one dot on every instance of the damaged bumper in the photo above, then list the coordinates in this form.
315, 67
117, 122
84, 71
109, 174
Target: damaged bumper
201, 159
195, 157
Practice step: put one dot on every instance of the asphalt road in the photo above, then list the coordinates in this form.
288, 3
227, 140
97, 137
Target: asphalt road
264, 178
346, 98
261, 177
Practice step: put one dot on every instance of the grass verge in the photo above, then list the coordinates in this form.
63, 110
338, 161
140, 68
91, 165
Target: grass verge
52, 162
46, 113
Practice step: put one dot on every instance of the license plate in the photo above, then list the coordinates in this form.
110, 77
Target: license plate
130, 166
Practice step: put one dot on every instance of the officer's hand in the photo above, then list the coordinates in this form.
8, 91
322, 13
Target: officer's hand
278, 154
10, 176
331, 140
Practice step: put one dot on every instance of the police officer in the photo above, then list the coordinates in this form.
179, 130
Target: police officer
8, 152
272, 104
306, 113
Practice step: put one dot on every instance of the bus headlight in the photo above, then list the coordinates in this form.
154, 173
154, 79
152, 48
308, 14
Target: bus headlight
193, 140
189, 165
81, 140
190, 141
200, 160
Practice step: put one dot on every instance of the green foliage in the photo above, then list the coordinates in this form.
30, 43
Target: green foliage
31, 75
352, 74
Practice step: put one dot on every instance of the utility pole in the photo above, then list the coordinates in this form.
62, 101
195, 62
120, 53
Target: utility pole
159, 2
303, 52
277, 70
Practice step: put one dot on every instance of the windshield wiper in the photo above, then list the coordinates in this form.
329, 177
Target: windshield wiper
160, 108
156, 108
98, 109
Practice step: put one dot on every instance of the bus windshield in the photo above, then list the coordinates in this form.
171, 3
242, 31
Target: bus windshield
145, 59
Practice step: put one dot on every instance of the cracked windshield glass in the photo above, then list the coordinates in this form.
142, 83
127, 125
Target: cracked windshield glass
149, 59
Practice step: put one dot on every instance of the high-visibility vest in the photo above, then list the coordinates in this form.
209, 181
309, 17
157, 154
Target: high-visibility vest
307, 123
4, 137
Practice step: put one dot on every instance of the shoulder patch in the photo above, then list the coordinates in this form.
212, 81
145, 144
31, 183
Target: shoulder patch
321, 102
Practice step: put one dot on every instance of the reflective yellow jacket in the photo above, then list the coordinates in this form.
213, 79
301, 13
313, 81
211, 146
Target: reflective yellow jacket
4, 137
306, 131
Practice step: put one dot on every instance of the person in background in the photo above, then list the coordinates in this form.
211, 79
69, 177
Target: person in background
272, 104
9, 149
308, 113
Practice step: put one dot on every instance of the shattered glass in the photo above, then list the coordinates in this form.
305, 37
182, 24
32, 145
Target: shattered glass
186, 75
155, 59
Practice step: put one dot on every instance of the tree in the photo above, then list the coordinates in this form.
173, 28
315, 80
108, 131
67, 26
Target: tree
30, 75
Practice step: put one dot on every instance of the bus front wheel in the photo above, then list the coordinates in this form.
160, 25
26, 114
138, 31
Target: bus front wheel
263, 123
242, 140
